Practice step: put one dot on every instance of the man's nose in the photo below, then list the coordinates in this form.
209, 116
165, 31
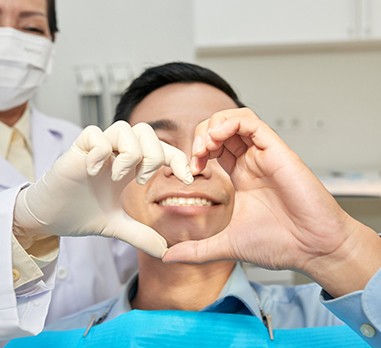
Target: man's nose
167, 170
206, 173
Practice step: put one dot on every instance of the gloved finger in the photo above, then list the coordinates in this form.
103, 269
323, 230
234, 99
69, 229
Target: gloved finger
93, 144
125, 143
153, 155
141, 236
177, 160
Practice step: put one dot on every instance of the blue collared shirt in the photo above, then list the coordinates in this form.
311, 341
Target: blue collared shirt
289, 306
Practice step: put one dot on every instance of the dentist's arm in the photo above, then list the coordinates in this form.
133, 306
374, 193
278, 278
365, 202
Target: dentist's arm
80, 195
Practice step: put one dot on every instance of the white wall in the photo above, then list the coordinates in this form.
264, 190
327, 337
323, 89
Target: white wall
340, 89
140, 33
292, 91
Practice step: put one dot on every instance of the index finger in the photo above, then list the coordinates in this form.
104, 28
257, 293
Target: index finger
212, 135
177, 160
205, 145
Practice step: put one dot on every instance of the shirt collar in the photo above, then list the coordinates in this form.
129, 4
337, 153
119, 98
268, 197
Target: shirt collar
22, 125
5, 139
237, 287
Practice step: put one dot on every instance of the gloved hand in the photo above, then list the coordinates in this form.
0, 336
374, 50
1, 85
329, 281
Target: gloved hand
80, 195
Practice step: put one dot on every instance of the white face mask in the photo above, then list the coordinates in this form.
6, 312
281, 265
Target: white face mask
25, 59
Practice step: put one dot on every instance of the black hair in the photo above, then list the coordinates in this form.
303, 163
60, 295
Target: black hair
52, 17
162, 75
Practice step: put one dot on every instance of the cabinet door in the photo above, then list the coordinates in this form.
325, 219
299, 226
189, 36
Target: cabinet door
261, 22
371, 20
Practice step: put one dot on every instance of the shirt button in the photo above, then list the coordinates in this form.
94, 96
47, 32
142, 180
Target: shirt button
62, 273
367, 330
16, 274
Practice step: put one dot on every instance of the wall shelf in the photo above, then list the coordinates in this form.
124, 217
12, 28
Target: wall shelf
234, 49
353, 184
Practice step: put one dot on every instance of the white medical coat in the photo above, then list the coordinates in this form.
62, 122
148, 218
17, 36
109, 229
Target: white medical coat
89, 269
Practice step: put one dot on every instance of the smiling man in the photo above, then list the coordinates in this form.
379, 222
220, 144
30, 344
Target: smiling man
174, 98
177, 211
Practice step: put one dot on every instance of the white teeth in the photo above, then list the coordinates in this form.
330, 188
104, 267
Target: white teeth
183, 201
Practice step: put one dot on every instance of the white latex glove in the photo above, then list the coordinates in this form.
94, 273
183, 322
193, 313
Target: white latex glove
80, 195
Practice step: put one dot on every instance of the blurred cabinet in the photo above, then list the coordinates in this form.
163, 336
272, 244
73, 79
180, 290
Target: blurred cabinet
371, 19
229, 23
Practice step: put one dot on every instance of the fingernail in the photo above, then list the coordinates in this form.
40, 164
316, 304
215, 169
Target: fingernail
165, 261
215, 128
192, 165
189, 177
208, 140
164, 252
197, 145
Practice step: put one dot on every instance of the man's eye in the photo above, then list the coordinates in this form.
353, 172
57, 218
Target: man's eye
34, 30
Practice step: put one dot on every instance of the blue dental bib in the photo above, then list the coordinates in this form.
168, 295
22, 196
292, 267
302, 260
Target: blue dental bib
147, 329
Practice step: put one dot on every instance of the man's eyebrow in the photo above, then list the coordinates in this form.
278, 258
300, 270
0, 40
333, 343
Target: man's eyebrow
26, 14
163, 124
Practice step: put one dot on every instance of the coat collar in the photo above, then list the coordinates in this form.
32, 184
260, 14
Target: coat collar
46, 142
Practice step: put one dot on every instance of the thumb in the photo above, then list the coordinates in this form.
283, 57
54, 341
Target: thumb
138, 235
212, 249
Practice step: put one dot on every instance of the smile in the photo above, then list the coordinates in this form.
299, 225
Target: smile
186, 202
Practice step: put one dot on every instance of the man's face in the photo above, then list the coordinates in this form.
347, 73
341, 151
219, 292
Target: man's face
178, 211
29, 16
